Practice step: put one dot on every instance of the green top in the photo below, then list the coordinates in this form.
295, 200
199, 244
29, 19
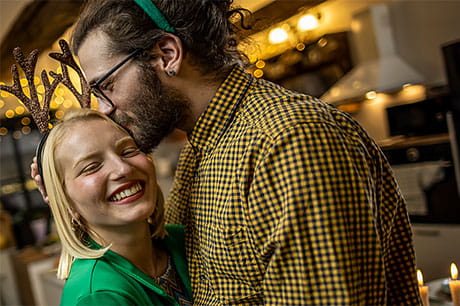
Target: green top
114, 280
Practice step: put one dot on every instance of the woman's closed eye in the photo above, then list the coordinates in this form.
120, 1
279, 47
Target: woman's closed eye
130, 151
90, 168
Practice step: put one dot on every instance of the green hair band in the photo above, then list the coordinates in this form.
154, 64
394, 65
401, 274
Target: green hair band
154, 13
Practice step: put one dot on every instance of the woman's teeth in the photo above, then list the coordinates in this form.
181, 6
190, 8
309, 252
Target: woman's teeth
126, 193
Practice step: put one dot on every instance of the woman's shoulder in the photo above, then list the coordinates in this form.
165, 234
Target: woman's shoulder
90, 275
97, 280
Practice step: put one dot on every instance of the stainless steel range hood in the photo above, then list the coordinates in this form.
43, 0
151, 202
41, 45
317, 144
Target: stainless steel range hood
379, 67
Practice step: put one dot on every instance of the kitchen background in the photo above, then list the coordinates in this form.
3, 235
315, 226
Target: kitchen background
394, 65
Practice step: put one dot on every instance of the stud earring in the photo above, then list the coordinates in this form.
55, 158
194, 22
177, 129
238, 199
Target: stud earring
171, 73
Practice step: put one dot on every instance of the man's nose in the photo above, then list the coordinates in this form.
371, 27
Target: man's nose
104, 107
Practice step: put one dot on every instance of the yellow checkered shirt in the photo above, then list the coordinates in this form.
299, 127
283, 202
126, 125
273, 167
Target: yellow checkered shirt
287, 201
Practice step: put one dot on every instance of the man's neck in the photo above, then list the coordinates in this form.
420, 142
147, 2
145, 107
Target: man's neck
199, 89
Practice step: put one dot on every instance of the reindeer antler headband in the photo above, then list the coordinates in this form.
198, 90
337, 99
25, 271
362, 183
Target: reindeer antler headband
40, 113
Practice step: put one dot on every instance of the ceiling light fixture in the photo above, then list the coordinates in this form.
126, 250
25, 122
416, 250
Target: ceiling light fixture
277, 36
307, 22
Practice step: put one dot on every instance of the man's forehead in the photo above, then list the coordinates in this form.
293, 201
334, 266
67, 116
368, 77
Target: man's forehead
94, 56
96, 44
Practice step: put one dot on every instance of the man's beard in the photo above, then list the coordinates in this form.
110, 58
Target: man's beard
157, 110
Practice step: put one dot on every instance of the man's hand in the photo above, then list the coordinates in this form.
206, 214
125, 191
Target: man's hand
38, 179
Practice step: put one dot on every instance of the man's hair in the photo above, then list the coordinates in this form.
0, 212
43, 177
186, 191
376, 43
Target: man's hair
205, 28
74, 240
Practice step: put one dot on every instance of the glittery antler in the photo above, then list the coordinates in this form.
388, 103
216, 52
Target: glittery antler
39, 113
66, 59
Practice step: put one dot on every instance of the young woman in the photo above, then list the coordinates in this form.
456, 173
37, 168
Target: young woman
108, 210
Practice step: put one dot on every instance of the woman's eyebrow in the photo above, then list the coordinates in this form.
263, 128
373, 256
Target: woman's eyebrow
83, 158
123, 140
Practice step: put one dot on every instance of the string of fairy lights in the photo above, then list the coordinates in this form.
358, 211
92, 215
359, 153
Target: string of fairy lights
293, 33
16, 118
274, 40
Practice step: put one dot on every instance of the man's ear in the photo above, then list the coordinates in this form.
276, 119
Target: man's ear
169, 54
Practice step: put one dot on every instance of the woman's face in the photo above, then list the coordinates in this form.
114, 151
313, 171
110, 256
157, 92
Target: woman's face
109, 181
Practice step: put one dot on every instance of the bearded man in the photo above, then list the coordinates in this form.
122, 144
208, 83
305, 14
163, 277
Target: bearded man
285, 199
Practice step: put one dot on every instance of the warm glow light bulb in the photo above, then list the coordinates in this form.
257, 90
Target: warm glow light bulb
9, 114
59, 114
67, 103
307, 22
300, 46
26, 130
41, 89
59, 92
407, 85
19, 110
371, 95
277, 35
25, 121
258, 73
59, 100
260, 64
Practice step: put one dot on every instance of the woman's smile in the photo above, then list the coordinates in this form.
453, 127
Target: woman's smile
127, 193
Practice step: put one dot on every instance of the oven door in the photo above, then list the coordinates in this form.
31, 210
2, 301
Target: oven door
426, 177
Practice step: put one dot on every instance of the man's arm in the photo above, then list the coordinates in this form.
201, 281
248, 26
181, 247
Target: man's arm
314, 211
176, 203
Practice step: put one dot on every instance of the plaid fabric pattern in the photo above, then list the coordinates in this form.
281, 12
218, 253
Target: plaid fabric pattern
287, 201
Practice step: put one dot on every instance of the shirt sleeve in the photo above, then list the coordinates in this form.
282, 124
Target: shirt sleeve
104, 298
314, 204
176, 203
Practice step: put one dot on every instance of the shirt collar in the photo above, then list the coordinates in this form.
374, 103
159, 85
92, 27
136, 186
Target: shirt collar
220, 112
175, 235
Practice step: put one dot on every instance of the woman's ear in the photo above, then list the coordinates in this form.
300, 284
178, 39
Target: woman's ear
169, 54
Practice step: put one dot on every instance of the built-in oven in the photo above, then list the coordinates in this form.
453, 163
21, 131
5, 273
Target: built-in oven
426, 174
423, 154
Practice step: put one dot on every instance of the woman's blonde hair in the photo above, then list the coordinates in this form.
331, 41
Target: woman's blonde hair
73, 238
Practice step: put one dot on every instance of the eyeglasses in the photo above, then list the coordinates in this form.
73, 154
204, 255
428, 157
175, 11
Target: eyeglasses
98, 92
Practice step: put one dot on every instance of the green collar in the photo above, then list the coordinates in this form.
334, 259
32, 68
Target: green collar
174, 243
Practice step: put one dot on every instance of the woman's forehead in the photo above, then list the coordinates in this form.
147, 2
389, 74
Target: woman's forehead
85, 135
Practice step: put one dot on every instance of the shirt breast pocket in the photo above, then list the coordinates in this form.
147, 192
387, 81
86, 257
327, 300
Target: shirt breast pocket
233, 269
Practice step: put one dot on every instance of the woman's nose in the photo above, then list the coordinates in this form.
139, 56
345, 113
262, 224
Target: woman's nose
119, 168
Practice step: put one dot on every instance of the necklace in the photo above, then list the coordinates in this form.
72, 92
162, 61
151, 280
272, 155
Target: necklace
171, 283
165, 274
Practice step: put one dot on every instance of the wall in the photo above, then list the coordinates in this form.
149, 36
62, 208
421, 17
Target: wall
420, 28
